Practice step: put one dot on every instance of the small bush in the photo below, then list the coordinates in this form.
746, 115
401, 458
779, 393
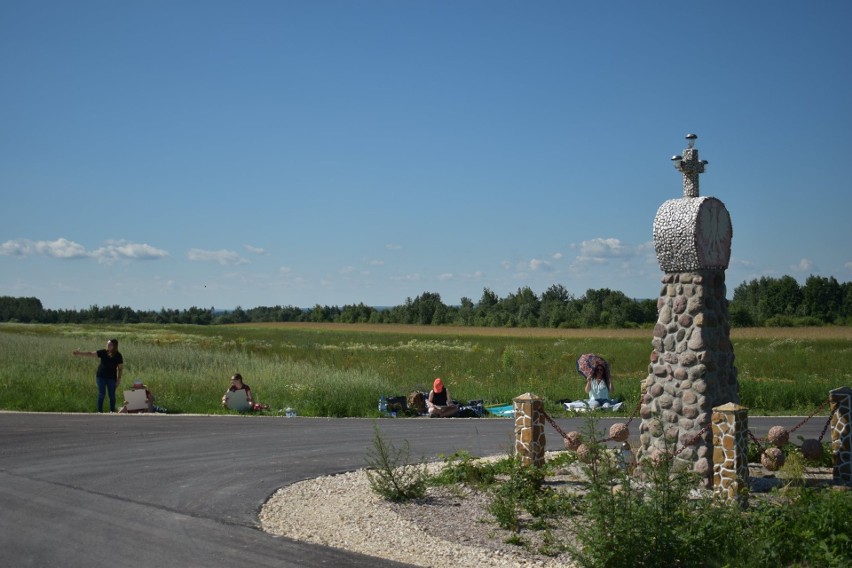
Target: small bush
391, 475
460, 468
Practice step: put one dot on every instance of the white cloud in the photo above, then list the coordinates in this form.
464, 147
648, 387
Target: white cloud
543, 265
255, 250
804, 265
348, 270
65, 249
122, 250
376, 262
393, 247
445, 276
556, 256
603, 248
223, 257
407, 277
60, 248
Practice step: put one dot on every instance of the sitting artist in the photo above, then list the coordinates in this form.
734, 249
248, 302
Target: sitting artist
149, 400
439, 404
599, 386
237, 384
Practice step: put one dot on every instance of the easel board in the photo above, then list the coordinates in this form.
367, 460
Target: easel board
237, 400
136, 399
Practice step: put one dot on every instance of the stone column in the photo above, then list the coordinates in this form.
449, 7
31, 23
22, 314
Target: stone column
691, 368
530, 442
841, 434
730, 451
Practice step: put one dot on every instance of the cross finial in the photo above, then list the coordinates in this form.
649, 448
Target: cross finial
690, 166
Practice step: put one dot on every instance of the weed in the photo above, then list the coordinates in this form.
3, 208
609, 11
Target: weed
391, 475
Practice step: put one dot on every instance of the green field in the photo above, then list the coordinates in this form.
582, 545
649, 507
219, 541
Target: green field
341, 370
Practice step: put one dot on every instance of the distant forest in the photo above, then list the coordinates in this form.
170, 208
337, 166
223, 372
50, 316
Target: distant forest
765, 302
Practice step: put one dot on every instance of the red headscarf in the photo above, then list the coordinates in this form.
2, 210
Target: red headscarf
438, 386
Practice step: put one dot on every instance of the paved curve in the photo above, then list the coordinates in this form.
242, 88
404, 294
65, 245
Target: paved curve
116, 490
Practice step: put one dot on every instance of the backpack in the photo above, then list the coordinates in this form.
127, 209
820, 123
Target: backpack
417, 402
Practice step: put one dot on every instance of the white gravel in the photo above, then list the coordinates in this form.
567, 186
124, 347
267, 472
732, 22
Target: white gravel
342, 511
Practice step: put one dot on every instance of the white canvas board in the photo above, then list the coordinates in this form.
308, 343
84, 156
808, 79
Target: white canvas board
237, 400
136, 399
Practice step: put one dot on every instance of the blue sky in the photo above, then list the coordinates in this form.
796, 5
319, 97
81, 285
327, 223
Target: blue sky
222, 153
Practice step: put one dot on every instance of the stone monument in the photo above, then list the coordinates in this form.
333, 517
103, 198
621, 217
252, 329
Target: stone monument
691, 368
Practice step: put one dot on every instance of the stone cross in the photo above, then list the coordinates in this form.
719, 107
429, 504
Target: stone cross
690, 166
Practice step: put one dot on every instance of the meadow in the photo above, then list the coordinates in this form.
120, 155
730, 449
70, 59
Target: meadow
341, 370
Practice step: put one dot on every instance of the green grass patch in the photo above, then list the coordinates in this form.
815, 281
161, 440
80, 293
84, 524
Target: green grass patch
342, 372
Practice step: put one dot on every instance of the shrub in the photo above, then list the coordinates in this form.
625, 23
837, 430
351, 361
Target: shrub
391, 475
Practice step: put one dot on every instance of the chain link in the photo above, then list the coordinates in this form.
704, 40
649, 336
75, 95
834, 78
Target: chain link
755, 440
802, 423
554, 424
694, 439
697, 437
634, 413
827, 423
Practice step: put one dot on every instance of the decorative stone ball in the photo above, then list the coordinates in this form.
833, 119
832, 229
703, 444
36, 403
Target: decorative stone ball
812, 449
778, 436
573, 441
619, 432
584, 453
772, 459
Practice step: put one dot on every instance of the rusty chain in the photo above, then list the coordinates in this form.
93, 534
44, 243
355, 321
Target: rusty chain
553, 423
802, 423
700, 433
827, 423
693, 440
562, 433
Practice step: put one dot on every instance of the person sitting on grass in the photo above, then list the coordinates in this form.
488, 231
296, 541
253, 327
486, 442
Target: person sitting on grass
149, 400
439, 404
599, 387
237, 384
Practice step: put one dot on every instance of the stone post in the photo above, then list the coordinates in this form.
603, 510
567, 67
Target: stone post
841, 435
730, 451
529, 429
691, 369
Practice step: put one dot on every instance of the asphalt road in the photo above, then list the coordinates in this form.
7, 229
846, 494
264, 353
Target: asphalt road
115, 490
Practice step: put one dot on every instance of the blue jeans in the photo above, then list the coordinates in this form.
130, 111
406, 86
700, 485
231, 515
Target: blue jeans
106, 386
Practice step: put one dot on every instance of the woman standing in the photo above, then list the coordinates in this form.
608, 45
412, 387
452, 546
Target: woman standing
110, 369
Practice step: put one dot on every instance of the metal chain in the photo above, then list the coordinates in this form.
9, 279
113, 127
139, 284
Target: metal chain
634, 413
694, 439
827, 422
565, 436
802, 423
555, 425
755, 440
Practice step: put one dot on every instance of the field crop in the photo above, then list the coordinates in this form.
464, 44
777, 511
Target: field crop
341, 370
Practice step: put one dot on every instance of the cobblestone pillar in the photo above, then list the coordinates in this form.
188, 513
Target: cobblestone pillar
691, 369
530, 442
841, 434
730, 451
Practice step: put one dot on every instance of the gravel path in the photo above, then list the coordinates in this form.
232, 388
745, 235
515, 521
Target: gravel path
342, 511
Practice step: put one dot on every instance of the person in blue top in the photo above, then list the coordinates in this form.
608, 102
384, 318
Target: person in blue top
599, 386
110, 369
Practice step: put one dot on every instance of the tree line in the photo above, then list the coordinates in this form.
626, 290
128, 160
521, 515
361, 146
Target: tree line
764, 302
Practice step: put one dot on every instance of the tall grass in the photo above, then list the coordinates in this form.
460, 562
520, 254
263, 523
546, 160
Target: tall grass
343, 371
